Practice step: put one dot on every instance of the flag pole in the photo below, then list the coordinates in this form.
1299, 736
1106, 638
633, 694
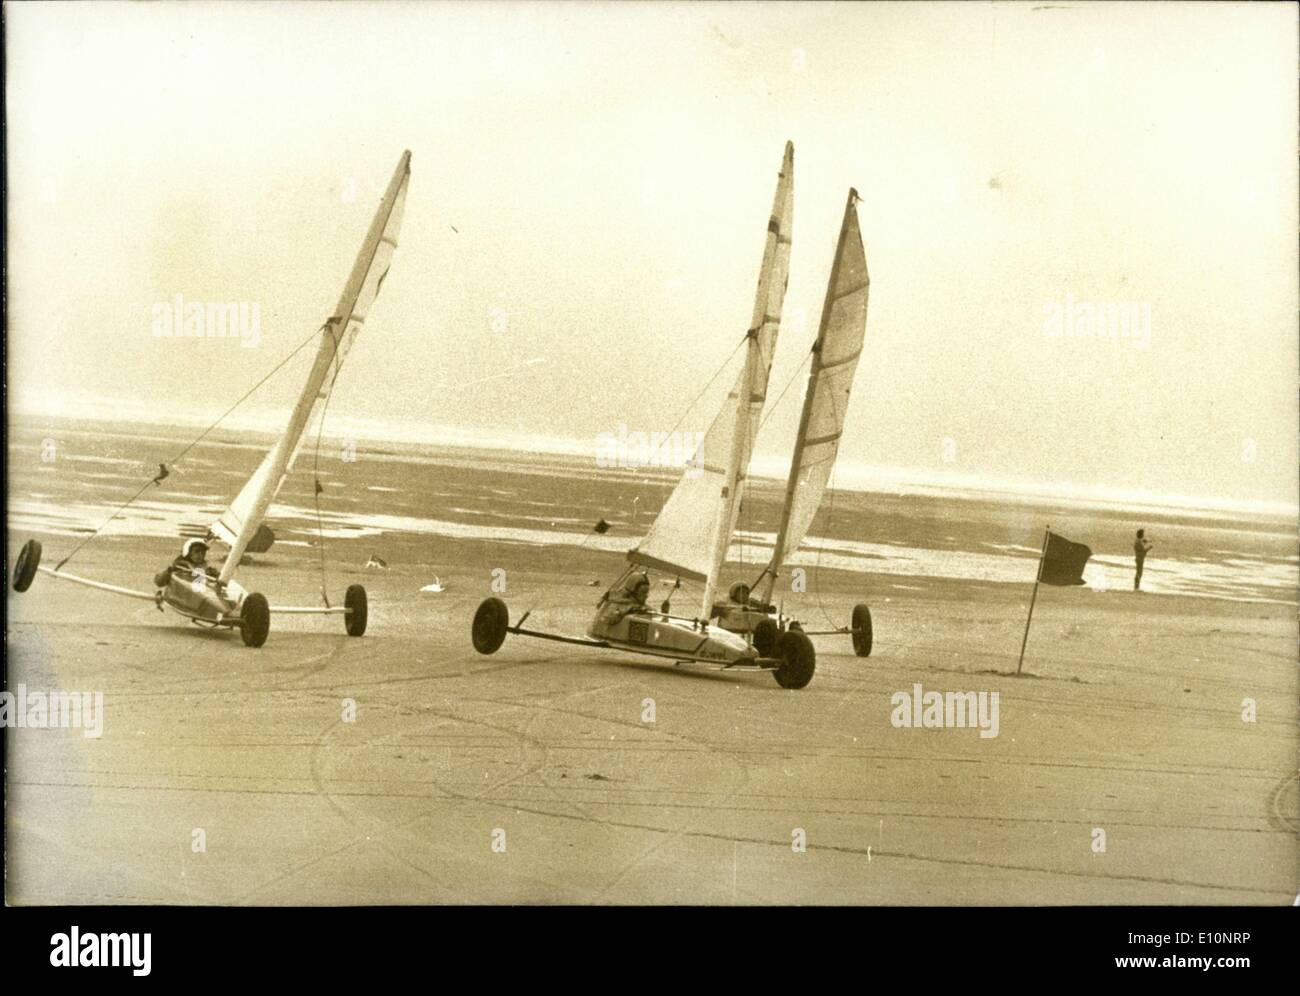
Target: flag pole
1033, 598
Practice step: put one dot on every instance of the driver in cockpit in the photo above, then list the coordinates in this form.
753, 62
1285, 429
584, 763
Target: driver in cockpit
739, 600
630, 598
193, 562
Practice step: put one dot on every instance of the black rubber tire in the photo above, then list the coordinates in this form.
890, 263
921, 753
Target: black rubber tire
354, 620
798, 660
765, 635
29, 558
489, 629
861, 626
254, 620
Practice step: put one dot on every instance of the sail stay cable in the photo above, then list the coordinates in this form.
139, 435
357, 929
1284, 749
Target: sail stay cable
239, 524
685, 412
716, 374
316, 485
747, 512
830, 517
189, 446
692, 532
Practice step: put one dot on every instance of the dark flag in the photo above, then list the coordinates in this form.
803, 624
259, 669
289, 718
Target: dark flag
162, 475
1063, 561
319, 490
601, 527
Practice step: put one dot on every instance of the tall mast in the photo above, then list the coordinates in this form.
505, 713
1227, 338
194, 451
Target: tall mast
691, 533
792, 483
734, 480
810, 399
239, 523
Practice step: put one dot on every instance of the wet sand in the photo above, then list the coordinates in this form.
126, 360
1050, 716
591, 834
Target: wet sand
1128, 719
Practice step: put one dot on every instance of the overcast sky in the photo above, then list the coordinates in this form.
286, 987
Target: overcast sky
590, 188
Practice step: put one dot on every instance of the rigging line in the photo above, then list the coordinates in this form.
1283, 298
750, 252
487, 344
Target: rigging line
777, 402
694, 401
316, 486
830, 513
725, 363
768, 414
748, 514
195, 442
830, 517
537, 602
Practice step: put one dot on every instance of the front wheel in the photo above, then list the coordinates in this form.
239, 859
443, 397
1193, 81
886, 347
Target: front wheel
489, 628
254, 620
861, 628
29, 558
798, 660
354, 619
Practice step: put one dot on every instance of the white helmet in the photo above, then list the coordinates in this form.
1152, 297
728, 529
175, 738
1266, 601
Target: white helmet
190, 544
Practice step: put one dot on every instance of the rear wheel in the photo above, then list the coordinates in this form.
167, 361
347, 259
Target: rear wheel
355, 603
29, 558
489, 628
798, 660
254, 620
765, 634
861, 630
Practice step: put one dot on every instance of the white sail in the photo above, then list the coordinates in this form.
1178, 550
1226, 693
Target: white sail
834, 362
240, 522
690, 535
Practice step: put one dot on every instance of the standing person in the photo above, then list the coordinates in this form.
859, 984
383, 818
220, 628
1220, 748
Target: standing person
1140, 547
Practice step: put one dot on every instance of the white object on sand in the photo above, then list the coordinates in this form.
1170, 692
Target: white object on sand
436, 587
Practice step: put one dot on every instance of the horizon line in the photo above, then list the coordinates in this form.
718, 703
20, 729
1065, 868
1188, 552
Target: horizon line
850, 475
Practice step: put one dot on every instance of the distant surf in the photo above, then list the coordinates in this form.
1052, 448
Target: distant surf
409, 440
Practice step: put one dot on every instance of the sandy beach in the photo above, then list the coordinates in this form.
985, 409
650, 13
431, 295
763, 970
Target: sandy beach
533, 776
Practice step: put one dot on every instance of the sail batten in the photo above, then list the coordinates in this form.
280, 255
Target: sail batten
693, 529
830, 381
239, 523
